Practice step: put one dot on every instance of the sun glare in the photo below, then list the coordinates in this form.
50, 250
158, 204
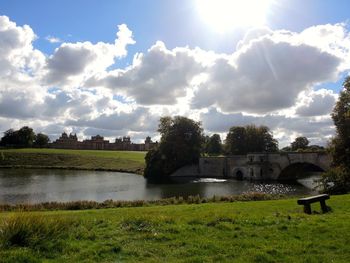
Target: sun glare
224, 15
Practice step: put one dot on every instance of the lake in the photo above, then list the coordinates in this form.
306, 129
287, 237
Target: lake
44, 185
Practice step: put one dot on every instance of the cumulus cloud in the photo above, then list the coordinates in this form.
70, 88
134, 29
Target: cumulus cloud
52, 39
158, 77
18, 104
17, 55
317, 103
253, 34
265, 76
71, 63
137, 120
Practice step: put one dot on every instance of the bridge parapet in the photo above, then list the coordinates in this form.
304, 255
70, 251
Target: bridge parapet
256, 166
259, 166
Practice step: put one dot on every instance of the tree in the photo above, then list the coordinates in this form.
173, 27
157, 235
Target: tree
10, 138
337, 180
236, 140
286, 149
241, 140
299, 143
26, 136
180, 145
41, 140
214, 145
341, 119
205, 142
316, 148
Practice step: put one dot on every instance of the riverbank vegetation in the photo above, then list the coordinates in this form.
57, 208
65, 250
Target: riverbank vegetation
123, 161
84, 205
264, 231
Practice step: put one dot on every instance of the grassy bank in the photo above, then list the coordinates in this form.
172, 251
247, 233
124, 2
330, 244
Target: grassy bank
84, 204
257, 231
73, 159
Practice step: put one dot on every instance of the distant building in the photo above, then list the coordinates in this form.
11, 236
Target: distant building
99, 143
66, 142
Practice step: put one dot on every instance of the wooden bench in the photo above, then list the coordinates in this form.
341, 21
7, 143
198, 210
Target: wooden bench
312, 199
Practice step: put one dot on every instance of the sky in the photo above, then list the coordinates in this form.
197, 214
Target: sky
115, 67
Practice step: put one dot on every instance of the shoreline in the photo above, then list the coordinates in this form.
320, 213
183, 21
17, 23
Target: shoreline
136, 171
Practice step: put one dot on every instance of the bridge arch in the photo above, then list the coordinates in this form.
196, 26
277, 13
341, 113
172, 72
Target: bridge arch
298, 170
238, 173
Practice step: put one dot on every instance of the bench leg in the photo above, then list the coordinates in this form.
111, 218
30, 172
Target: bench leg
323, 206
307, 209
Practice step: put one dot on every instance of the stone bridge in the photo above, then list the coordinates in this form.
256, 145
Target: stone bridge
259, 166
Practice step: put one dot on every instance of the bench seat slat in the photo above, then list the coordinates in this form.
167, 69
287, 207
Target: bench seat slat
313, 199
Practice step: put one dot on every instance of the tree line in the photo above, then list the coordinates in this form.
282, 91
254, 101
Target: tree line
251, 138
25, 137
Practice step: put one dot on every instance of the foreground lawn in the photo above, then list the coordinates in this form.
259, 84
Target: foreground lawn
73, 159
263, 231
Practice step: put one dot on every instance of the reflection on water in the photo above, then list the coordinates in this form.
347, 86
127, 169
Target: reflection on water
209, 180
33, 186
311, 180
275, 188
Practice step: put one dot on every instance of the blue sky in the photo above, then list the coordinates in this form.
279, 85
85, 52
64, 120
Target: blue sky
181, 28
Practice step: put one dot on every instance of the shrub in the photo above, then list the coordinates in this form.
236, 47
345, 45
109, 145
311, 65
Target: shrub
335, 181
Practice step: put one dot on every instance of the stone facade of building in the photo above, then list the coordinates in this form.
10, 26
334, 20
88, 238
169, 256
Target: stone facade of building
97, 142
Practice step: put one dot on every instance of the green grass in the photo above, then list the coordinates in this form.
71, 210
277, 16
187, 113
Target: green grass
124, 161
260, 231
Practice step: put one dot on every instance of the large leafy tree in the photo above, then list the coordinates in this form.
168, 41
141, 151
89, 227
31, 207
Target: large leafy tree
41, 140
337, 180
241, 140
299, 143
26, 136
180, 145
236, 140
10, 138
23, 137
341, 118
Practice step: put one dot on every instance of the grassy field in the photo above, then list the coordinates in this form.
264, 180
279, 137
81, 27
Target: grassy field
73, 159
260, 231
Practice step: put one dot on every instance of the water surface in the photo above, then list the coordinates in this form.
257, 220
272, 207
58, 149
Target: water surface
43, 185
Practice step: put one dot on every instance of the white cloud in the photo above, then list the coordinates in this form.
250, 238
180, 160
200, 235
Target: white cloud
53, 40
17, 55
72, 63
265, 76
160, 76
317, 103
138, 120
